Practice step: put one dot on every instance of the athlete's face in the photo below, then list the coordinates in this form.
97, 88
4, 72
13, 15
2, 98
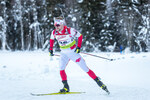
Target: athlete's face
59, 27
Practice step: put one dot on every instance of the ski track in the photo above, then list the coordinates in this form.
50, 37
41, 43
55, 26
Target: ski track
22, 73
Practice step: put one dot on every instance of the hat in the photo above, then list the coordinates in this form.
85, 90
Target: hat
58, 21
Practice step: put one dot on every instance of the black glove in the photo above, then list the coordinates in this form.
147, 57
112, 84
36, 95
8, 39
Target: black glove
77, 50
51, 53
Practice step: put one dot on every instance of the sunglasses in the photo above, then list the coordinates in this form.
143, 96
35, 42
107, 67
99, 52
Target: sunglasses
57, 25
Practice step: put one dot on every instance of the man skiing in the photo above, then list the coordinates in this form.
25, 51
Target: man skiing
70, 51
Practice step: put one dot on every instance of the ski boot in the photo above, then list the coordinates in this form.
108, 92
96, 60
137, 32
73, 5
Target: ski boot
65, 88
103, 86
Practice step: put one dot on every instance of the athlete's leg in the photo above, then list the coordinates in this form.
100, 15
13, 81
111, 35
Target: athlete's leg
77, 58
63, 63
80, 61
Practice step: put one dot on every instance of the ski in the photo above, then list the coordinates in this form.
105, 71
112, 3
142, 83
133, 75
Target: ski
107, 91
57, 93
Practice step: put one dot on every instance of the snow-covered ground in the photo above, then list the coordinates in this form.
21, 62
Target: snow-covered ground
22, 73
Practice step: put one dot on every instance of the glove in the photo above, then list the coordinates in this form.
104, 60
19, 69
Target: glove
51, 53
77, 50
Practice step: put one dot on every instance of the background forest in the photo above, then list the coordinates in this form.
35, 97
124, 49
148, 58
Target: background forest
106, 25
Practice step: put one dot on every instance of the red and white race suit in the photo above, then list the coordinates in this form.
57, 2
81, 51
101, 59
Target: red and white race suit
67, 43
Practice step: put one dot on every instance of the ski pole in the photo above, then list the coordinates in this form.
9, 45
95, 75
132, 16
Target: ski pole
56, 55
98, 56
51, 57
91, 55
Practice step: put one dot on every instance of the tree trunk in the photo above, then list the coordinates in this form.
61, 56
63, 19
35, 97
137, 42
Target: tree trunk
148, 32
4, 26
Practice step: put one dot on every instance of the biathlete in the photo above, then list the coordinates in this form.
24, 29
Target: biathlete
70, 51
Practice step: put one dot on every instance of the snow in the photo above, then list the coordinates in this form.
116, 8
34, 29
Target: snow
1, 19
70, 15
34, 24
22, 73
80, 1
3, 2
89, 14
74, 19
108, 3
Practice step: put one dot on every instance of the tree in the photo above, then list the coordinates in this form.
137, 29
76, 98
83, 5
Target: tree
3, 26
106, 25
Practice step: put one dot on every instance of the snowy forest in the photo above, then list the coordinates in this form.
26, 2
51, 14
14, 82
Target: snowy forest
106, 25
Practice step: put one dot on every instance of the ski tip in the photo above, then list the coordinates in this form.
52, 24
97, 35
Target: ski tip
108, 93
33, 94
36, 94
